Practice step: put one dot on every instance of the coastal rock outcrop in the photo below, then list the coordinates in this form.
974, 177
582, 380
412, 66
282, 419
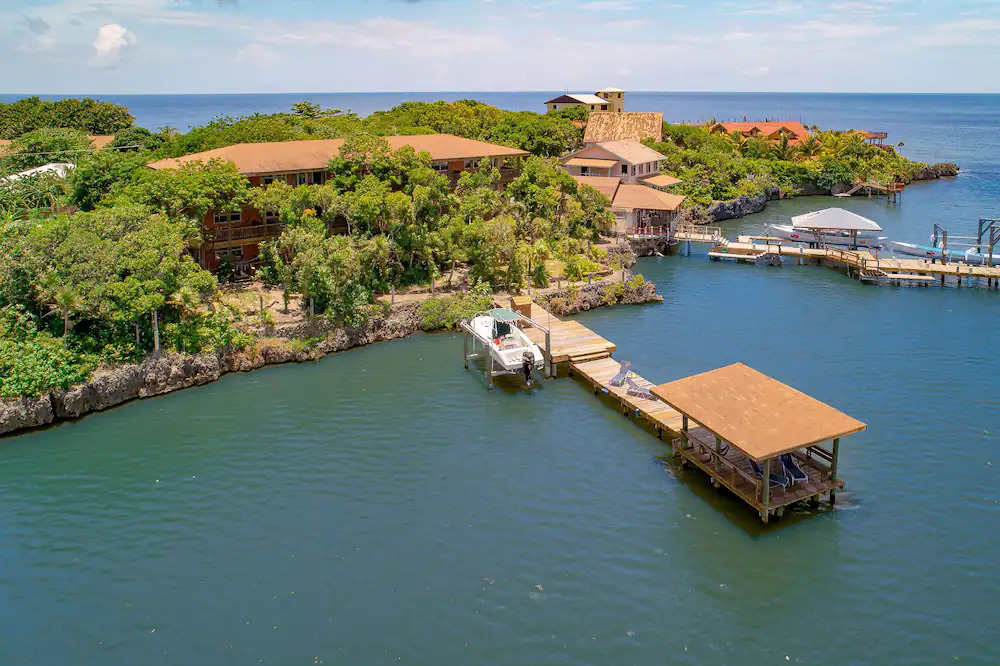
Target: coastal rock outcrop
588, 297
24, 413
935, 171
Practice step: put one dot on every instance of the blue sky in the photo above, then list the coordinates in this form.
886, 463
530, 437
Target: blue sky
174, 46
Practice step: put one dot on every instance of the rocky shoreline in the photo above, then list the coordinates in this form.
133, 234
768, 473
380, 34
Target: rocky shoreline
745, 205
293, 343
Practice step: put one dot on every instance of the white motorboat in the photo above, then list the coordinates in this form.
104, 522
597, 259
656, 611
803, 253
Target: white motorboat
969, 256
825, 237
509, 347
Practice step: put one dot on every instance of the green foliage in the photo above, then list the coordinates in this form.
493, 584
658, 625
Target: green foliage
42, 147
447, 311
613, 293
33, 361
103, 173
578, 266
90, 116
137, 138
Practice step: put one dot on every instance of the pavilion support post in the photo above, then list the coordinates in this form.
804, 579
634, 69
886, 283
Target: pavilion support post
718, 452
766, 486
833, 469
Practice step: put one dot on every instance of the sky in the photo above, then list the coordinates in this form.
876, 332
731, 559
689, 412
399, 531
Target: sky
234, 46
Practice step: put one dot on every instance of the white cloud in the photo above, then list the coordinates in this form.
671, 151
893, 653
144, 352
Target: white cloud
111, 39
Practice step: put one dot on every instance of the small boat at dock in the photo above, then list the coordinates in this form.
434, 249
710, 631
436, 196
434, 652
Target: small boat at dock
509, 347
825, 237
969, 256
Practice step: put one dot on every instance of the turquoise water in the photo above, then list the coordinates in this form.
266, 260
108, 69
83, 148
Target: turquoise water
381, 506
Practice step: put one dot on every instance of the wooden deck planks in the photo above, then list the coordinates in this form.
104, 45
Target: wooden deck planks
600, 372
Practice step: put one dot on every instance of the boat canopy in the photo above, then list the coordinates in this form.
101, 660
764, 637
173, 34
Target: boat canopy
503, 314
834, 219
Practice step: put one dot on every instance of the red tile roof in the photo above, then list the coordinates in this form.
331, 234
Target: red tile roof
797, 133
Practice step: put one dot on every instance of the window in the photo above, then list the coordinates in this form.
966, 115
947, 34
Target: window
231, 253
624, 169
319, 177
633, 169
591, 107
302, 179
619, 95
267, 180
604, 107
228, 218
271, 216
441, 167
584, 171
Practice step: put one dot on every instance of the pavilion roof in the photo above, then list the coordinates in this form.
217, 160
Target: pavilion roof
757, 414
835, 219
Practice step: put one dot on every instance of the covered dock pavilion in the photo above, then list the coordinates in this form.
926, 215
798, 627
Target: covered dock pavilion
735, 419
836, 219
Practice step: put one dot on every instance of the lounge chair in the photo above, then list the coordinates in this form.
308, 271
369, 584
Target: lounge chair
776, 480
792, 469
619, 379
636, 390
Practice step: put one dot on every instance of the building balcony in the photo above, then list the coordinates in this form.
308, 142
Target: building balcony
223, 237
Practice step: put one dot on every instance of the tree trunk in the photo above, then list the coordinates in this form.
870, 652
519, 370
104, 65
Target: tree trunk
156, 331
137, 341
65, 315
452, 274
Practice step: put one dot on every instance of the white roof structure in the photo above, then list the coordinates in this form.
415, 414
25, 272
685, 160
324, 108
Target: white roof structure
588, 99
610, 90
834, 218
58, 168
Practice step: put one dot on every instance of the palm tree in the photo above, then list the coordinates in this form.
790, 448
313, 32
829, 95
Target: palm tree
67, 301
739, 141
782, 150
811, 147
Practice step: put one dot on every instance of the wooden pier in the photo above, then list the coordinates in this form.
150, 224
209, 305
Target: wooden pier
721, 451
860, 264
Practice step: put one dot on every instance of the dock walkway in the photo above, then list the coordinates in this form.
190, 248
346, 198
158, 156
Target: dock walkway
859, 263
588, 356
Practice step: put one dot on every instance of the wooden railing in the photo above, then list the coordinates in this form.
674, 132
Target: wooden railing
661, 231
698, 232
269, 230
719, 460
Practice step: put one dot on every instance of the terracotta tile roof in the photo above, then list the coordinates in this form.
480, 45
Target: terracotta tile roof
630, 197
797, 132
759, 415
606, 185
591, 162
631, 151
662, 180
610, 126
291, 156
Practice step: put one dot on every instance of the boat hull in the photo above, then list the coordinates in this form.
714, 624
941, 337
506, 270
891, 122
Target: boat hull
786, 232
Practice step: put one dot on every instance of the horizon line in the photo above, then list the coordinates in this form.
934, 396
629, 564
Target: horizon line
492, 91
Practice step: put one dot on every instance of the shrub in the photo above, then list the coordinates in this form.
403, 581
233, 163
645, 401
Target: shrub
32, 361
448, 311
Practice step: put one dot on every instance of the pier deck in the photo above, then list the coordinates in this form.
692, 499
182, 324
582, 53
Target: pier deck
859, 263
589, 357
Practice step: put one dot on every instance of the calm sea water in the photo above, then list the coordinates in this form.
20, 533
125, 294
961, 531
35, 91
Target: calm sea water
380, 506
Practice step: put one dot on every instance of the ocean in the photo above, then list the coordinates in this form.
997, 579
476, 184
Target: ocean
381, 506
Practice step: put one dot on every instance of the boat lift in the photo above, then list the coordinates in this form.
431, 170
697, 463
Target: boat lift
491, 370
985, 240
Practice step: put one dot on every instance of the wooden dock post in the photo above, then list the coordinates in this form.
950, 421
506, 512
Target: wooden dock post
465, 347
548, 353
765, 491
833, 469
489, 370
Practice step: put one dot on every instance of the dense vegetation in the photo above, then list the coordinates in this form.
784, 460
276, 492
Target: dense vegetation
722, 167
95, 267
88, 115
111, 279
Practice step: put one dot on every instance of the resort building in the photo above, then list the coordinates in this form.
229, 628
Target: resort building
620, 126
236, 235
628, 173
769, 131
609, 99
